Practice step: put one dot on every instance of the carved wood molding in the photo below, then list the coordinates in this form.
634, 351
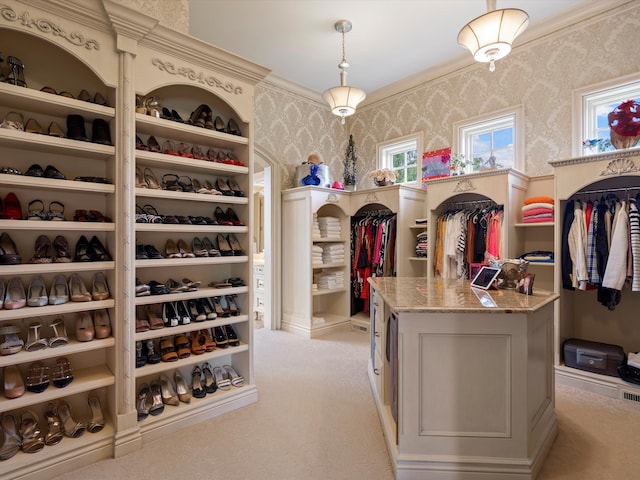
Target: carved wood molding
619, 166
332, 198
371, 198
45, 26
464, 186
194, 76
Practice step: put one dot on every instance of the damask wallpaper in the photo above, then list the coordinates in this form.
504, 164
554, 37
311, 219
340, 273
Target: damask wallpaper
539, 75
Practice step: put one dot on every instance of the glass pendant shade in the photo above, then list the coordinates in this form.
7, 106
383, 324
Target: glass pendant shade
489, 37
343, 100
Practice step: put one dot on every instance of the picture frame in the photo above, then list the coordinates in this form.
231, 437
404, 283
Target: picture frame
525, 283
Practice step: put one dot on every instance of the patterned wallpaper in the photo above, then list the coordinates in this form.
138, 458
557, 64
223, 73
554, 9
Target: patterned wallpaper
540, 75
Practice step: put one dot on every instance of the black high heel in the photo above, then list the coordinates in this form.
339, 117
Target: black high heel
224, 188
232, 127
99, 253
223, 246
232, 336
197, 390
16, 75
235, 188
224, 304
220, 337
233, 304
221, 217
234, 244
218, 124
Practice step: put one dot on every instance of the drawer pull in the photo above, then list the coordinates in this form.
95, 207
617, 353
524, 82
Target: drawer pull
376, 371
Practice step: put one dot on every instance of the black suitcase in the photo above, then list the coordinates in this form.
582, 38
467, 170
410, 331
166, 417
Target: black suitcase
593, 357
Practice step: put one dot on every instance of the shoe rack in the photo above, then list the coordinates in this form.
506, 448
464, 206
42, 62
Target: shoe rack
92, 363
107, 48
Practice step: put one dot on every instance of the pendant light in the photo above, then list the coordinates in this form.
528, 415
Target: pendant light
343, 100
490, 36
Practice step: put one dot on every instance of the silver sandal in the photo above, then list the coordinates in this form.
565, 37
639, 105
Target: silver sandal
12, 343
34, 342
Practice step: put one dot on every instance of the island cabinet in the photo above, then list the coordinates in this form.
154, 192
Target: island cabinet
462, 378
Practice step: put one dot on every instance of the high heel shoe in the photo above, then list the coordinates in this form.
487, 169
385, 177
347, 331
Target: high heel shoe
8, 252
12, 343
142, 403
222, 380
97, 418
197, 390
220, 337
84, 327
232, 300
220, 216
235, 245
236, 380
60, 337
169, 315
183, 313
99, 253
232, 336
207, 308
233, 218
13, 383
54, 424
197, 342
34, 342
219, 125
101, 324
210, 385
196, 310
99, 287
41, 250
62, 375
184, 249
223, 187
71, 428
59, 292
153, 356
82, 253
14, 296
169, 395
78, 289
12, 441
61, 247
37, 293
37, 377
157, 406
168, 350
235, 188
233, 128
171, 249
223, 246
181, 387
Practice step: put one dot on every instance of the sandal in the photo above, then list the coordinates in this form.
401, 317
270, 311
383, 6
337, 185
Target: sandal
142, 404
197, 390
97, 419
71, 428
32, 438
152, 214
152, 105
61, 375
186, 186
182, 346
210, 385
170, 182
60, 337
36, 210
41, 250
141, 217
12, 342
12, 440
197, 342
151, 180
56, 211
209, 344
222, 380
54, 433
37, 377
236, 380
13, 121
34, 342
16, 75
168, 351
152, 356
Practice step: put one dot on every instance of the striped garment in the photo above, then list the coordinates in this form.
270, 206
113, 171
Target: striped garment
592, 259
634, 227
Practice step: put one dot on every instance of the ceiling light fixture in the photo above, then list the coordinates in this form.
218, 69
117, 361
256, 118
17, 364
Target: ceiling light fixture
343, 100
489, 37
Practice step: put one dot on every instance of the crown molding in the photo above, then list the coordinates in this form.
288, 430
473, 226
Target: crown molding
275, 82
88, 13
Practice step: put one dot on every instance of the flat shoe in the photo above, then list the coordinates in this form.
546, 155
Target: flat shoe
59, 292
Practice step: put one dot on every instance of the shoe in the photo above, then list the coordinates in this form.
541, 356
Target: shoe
234, 244
191, 285
32, 438
83, 252
98, 252
171, 249
223, 187
217, 306
199, 115
208, 309
56, 212
14, 296
61, 374
151, 180
232, 127
11, 440
16, 72
209, 344
207, 244
99, 287
37, 293
13, 121
232, 336
34, 342
152, 252
141, 358
141, 254
78, 290
12, 208
99, 99
11, 343
76, 128
175, 287
169, 315
222, 379
53, 172
197, 342
41, 250
182, 346
168, 393
197, 390
236, 380
142, 289
97, 418
34, 170
198, 249
221, 217
235, 188
84, 327
61, 246
210, 385
223, 246
71, 428
13, 383
184, 250
60, 337
140, 145
55, 130
233, 218
155, 322
157, 406
196, 310
100, 132
37, 377
168, 350
101, 324
154, 146
142, 324
59, 292
153, 356
36, 211
220, 337
143, 401
54, 424
184, 395
84, 96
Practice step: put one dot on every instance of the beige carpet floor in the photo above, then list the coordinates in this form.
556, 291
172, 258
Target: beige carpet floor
316, 419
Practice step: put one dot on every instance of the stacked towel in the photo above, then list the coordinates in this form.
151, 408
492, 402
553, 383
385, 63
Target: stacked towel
315, 227
538, 209
333, 253
329, 227
329, 279
316, 254
422, 246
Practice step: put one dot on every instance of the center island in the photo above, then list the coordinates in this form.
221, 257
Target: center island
462, 378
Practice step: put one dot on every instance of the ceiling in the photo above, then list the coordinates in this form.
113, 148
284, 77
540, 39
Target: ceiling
391, 40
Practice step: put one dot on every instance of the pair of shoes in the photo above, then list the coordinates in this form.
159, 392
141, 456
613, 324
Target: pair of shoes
88, 328
98, 98
229, 187
146, 252
229, 245
36, 211
226, 376
90, 216
178, 249
42, 246
36, 170
11, 208
100, 132
142, 289
91, 251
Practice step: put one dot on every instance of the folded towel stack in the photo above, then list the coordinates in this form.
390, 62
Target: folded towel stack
329, 279
315, 228
316, 255
333, 253
329, 227
538, 209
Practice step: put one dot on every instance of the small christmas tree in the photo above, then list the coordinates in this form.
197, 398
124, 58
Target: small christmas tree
350, 160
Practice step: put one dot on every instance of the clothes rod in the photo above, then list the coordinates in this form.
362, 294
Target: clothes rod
606, 190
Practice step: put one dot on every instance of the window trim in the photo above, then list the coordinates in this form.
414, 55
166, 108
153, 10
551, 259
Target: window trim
580, 107
518, 132
417, 137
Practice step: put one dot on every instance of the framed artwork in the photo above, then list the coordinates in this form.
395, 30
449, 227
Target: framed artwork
435, 164
525, 283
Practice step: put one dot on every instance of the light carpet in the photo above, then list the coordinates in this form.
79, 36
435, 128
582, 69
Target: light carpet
316, 419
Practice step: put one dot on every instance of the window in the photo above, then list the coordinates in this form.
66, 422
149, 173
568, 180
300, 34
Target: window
401, 156
492, 139
595, 104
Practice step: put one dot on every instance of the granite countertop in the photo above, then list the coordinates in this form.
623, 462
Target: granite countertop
419, 294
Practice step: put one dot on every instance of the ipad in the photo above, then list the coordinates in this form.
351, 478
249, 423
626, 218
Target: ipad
485, 278
485, 299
